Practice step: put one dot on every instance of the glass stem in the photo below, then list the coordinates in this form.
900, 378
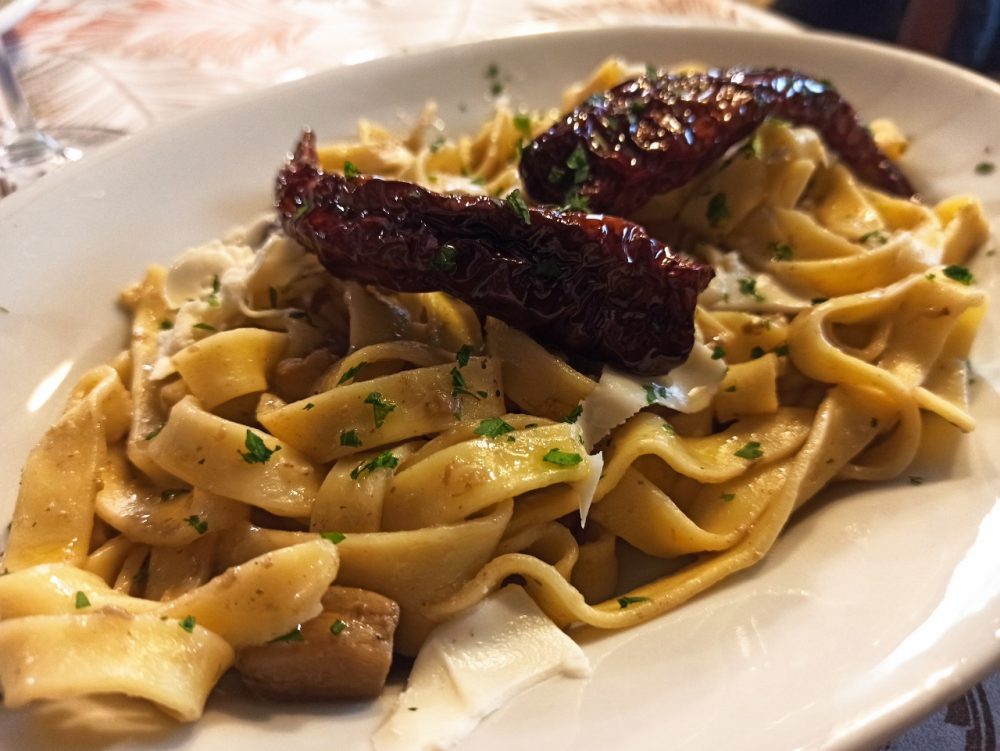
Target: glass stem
20, 137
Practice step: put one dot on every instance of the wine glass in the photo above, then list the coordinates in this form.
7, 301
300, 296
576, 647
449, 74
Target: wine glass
26, 151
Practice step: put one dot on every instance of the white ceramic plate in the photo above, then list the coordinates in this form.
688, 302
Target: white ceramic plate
877, 605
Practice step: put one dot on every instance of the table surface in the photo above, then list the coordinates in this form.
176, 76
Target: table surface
127, 64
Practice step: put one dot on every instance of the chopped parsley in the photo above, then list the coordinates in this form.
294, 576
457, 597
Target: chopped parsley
493, 427
444, 259
576, 202
718, 352
153, 433
730, 389
780, 251
916, 480
459, 386
385, 460
257, 451
381, 407
337, 627
751, 451
748, 286
717, 210
351, 171
166, 325
985, 168
351, 373
308, 406
301, 211
187, 623
727, 496
350, 438
959, 274
436, 144
819, 300
574, 414
201, 526
81, 601
562, 458
578, 163
757, 353
874, 422
213, 298
669, 429
335, 537
557, 175
624, 602
463, 355
878, 237
781, 350
294, 635
517, 205
654, 391
523, 123
204, 326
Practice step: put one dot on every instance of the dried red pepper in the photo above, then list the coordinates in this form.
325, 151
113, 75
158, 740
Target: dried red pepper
599, 287
653, 134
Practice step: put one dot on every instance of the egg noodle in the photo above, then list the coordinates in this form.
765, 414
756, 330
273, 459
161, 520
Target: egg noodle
272, 430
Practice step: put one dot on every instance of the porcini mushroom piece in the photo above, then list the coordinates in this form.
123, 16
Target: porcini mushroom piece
343, 653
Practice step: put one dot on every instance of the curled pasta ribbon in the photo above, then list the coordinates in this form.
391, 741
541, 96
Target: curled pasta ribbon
54, 513
171, 653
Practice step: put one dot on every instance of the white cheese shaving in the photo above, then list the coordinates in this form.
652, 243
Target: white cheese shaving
473, 664
728, 289
687, 388
587, 488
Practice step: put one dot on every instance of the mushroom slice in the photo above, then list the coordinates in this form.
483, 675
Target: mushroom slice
343, 653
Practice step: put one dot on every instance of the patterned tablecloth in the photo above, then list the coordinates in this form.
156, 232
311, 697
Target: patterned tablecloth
126, 64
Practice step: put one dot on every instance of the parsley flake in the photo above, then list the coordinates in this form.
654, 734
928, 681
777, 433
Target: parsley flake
81, 601
385, 460
351, 373
153, 433
196, 521
459, 386
523, 123
985, 168
335, 537
308, 406
748, 286
727, 496
350, 438
166, 325
463, 355
751, 451
654, 391
780, 251
718, 352
757, 352
187, 623
878, 237
624, 602
562, 458
444, 259
257, 451
294, 635
575, 201
574, 414
916, 480
717, 210
204, 327
337, 627
381, 407
517, 205
493, 427
730, 389
351, 171
578, 162
959, 274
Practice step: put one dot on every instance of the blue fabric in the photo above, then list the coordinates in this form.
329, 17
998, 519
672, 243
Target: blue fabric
967, 724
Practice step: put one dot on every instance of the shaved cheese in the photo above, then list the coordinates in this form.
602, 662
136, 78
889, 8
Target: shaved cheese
587, 488
727, 290
472, 665
687, 388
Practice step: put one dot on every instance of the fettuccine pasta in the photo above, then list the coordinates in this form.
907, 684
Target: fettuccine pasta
272, 430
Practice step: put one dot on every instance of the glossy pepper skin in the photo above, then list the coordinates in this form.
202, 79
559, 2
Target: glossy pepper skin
599, 287
653, 134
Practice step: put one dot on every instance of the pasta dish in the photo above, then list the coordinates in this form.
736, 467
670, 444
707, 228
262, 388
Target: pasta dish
307, 462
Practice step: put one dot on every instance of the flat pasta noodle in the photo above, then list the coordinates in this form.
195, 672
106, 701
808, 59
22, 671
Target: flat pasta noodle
272, 430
